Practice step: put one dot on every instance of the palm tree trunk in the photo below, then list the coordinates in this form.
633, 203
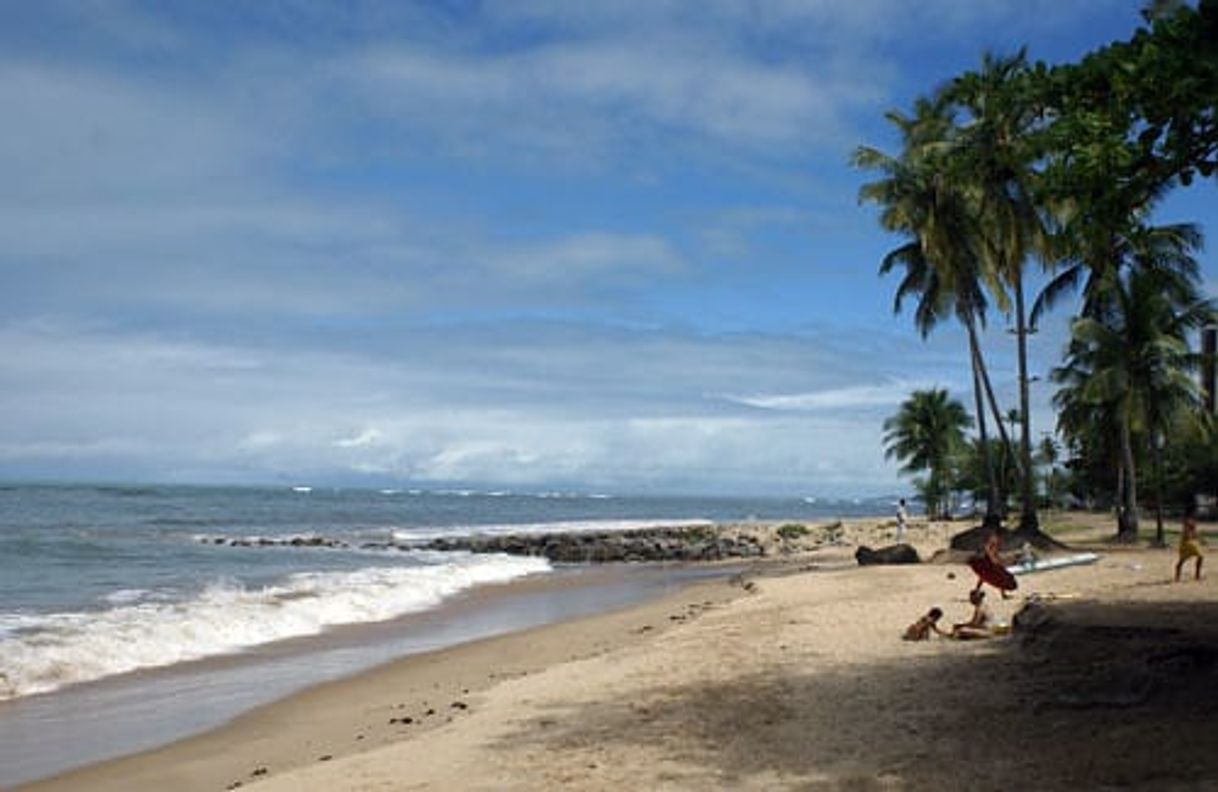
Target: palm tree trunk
1027, 519
1157, 455
994, 409
1119, 501
1127, 525
992, 519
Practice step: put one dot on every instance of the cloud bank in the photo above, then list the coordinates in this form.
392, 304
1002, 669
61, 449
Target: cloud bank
595, 244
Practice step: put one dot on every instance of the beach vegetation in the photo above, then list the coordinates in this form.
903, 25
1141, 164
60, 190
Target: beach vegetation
1131, 366
792, 531
925, 436
972, 473
1190, 460
997, 157
1020, 163
920, 198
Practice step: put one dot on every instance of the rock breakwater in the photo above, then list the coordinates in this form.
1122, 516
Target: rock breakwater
683, 543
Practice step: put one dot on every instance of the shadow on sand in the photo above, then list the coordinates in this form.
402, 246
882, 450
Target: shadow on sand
1085, 695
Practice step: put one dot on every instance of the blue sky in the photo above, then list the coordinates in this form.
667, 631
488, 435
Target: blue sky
602, 245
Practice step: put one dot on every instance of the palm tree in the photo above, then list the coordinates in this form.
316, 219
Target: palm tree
998, 159
1095, 248
924, 436
920, 200
1047, 454
1130, 365
1088, 427
1107, 249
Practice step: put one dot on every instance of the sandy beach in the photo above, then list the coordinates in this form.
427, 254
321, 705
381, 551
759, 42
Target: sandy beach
791, 676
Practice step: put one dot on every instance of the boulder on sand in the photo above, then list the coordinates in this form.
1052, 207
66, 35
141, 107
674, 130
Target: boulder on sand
892, 554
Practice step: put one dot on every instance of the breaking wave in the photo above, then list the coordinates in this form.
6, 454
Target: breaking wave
43, 652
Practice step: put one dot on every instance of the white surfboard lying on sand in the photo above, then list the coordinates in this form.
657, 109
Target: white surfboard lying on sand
1057, 562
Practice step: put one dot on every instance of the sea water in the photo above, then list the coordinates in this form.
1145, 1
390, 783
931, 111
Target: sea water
97, 582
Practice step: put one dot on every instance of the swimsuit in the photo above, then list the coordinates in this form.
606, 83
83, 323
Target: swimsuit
1189, 548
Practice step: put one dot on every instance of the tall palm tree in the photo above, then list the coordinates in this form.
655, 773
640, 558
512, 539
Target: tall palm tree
1103, 241
924, 435
1131, 364
1096, 248
998, 158
919, 199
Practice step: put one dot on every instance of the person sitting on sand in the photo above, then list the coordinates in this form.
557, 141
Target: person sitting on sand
1190, 547
923, 627
979, 625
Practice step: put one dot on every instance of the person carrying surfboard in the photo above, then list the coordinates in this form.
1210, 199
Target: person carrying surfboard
988, 567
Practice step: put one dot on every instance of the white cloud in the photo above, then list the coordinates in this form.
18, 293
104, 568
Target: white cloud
73, 135
595, 96
366, 438
495, 406
891, 393
583, 259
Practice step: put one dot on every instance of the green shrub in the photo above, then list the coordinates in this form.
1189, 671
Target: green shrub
792, 531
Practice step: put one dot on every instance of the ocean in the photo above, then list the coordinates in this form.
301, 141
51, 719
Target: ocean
112, 598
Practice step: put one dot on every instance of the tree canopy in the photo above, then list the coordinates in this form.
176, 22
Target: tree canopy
1064, 165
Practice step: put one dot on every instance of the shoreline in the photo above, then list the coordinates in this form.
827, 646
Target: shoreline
146, 709
793, 676
647, 577
438, 680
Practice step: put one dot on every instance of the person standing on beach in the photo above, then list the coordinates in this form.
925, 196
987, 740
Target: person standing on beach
901, 519
1190, 547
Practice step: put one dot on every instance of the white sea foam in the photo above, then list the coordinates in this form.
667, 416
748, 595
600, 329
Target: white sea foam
126, 596
40, 653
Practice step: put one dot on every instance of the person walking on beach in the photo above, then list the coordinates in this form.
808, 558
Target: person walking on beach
902, 517
988, 566
1190, 547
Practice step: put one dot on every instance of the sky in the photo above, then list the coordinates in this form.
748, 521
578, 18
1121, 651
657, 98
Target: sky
529, 244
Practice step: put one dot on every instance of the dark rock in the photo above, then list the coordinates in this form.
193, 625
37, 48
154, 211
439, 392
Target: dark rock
683, 543
892, 554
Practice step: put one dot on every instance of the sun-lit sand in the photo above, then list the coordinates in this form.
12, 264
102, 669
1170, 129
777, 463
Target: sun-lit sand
792, 676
